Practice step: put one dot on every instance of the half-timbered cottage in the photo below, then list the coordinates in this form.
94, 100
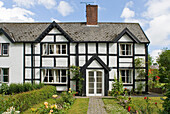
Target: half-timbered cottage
44, 52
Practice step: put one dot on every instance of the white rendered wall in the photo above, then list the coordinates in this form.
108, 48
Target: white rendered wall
81, 48
14, 61
125, 38
92, 48
94, 64
112, 48
48, 38
27, 48
82, 60
61, 38
61, 62
47, 62
112, 61
103, 58
113, 74
139, 48
54, 31
72, 48
72, 60
102, 48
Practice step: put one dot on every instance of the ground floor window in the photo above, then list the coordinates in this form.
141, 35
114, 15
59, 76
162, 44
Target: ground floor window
4, 75
126, 76
55, 75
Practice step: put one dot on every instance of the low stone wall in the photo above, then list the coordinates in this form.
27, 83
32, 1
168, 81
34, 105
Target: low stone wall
157, 90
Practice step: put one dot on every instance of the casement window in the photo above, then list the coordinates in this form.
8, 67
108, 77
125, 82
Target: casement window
4, 75
54, 76
4, 49
126, 76
125, 49
54, 49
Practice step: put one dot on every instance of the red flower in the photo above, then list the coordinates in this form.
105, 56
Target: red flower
149, 99
157, 79
156, 103
145, 97
125, 88
74, 85
129, 109
129, 98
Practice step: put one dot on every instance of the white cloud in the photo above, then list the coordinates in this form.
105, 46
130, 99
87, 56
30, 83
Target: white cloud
48, 3
129, 4
127, 13
52, 19
29, 3
25, 3
64, 8
15, 14
155, 54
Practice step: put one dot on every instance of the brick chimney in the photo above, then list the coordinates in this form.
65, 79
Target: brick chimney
91, 14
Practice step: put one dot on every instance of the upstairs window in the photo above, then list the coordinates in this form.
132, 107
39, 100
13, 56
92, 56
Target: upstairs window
125, 49
4, 49
126, 76
4, 75
54, 49
54, 76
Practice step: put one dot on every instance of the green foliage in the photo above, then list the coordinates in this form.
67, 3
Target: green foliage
25, 100
150, 61
19, 88
164, 66
77, 75
117, 87
68, 97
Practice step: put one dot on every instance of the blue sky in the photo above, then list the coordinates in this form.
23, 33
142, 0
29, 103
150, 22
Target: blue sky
153, 15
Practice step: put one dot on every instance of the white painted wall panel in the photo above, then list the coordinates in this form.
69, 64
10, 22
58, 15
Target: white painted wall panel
4, 39
125, 64
37, 48
48, 38
60, 38
112, 48
28, 61
82, 48
139, 48
128, 87
125, 38
103, 58
72, 48
37, 61
48, 62
61, 62
27, 48
94, 64
37, 73
28, 73
82, 60
143, 59
72, 60
125, 60
110, 85
113, 74
102, 48
61, 88
89, 57
91, 47
54, 31
112, 61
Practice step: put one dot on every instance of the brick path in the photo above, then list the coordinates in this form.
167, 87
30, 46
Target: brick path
96, 106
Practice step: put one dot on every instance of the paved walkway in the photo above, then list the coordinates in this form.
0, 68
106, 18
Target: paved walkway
96, 106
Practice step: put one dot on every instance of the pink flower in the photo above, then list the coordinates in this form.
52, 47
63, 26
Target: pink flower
74, 85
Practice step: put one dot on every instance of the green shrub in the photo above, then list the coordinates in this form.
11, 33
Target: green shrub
13, 88
4, 88
27, 87
25, 100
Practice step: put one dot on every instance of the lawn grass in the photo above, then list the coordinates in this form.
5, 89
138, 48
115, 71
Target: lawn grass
112, 106
50, 101
80, 106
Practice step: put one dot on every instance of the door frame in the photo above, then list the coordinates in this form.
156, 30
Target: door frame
103, 82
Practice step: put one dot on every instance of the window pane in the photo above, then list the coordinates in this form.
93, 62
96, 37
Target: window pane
122, 46
0, 49
63, 79
63, 72
51, 76
45, 49
51, 49
123, 79
128, 49
5, 71
5, 49
5, 75
45, 75
63, 49
5, 79
57, 75
122, 72
57, 49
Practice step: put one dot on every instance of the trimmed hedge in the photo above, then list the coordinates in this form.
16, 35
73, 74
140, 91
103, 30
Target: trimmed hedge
25, 100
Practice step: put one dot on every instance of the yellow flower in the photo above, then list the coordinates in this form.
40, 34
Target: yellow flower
55, 96
45, 103
33, 109
55, 106
69, 89
52, 106
51, 111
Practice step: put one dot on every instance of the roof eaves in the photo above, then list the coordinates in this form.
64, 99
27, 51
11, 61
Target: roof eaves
9, 38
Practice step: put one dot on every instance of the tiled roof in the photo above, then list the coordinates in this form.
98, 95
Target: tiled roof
20, 32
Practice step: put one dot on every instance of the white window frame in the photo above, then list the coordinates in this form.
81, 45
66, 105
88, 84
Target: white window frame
130, 75
55, 49
120, 50
2, 49
2, 75
54, 75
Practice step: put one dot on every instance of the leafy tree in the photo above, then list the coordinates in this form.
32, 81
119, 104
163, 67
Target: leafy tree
150, 61
164, 66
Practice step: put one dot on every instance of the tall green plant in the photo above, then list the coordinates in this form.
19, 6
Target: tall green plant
77, 75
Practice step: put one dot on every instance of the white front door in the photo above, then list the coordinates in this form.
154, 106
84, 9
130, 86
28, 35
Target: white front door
95, 83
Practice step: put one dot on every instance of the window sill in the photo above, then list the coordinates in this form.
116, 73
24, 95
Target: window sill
56, 55
54, 83
4, 56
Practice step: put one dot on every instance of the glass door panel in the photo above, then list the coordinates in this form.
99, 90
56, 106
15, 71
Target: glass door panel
99, 82
91, 82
